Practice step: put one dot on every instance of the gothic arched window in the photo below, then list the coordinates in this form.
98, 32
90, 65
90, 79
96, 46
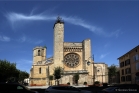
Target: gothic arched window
39, 53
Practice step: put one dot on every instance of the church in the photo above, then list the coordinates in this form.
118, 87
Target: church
71, 56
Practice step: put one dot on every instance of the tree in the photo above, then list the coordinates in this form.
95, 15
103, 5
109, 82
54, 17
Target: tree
22, 75
76, 78
10, 73
112, 71
58, 71
8, 70
50, 79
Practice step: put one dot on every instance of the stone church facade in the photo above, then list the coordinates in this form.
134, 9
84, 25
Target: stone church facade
72, 56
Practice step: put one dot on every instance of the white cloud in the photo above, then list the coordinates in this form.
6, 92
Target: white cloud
22, 39
115, 33
19, 18
103, 55
25, 61
39, 42
106, 45
34, 41
24, 64
29, 40
4, 38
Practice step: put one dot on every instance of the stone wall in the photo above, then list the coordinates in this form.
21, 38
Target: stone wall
72, 44
38, 82
82, 78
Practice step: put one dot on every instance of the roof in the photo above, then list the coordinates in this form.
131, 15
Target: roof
129, 51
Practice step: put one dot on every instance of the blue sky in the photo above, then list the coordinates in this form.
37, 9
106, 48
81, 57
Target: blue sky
112, 26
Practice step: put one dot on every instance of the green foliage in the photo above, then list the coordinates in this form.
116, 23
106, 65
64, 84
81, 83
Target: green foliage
23, 75
76, 76
10, 72
51, 77
97, 82
58, 71
44, 47
112, 70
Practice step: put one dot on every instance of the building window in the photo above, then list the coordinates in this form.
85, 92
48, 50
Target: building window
39, 70
128, 78
122, 71
39, 53
123, 78
122, 64
137, 66
127, 70
127, 62
137, 78
136, 57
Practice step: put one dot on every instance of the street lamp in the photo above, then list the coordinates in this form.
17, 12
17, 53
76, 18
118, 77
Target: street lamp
88, 63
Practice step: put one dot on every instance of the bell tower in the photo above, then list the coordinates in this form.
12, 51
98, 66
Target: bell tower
39, 54
58, 42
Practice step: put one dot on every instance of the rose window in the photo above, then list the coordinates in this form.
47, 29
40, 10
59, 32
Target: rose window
71, 60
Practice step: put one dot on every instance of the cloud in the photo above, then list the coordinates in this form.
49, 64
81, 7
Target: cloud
103, 55
39, 42
22, 39
19, 18
29, 40
34, 41
115, 33
24, 61
106, 45
4, 38
24, 64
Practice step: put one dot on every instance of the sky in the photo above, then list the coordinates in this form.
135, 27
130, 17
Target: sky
112, 26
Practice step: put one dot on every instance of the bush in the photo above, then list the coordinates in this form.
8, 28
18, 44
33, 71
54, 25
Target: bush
96, 82
68, 83
85, 83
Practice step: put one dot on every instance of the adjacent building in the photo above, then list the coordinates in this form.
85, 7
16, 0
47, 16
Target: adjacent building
101, 72
129, 67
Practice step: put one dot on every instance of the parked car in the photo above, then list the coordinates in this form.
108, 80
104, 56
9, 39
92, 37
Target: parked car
14, 88
65, 89
119, 89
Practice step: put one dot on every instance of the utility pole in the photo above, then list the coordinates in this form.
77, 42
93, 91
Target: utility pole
93, 73
93, 70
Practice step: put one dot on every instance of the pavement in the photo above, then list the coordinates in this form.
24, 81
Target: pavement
44, 87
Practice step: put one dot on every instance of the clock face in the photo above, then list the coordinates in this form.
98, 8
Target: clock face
71, 60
